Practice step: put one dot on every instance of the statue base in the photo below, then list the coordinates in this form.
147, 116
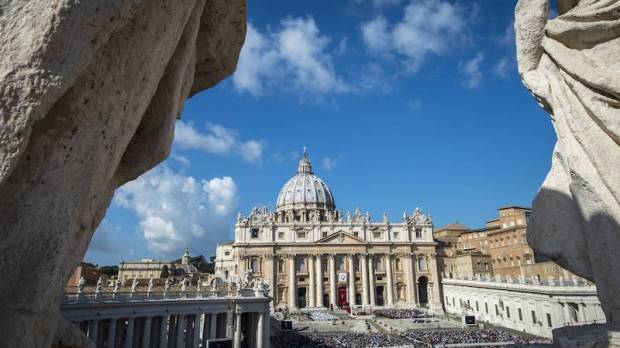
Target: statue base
586, 336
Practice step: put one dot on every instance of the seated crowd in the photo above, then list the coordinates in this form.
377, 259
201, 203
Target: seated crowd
321, 316
294, 339
401, 314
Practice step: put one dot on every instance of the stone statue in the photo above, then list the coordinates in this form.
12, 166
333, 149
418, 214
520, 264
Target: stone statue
134, 284
167, 284
89, 95
99, 285
150, 288
81, 284
385, 218
570, 64
117, 286
198, 285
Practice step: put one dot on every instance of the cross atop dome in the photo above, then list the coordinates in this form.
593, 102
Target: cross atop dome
304, 167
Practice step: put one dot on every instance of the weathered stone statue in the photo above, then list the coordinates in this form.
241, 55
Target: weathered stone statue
571, 64
89, 93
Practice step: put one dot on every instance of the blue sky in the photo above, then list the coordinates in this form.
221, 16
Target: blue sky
402, 104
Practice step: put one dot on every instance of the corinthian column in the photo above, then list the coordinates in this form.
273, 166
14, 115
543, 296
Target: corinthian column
390, 281
292, 304
351, 280
364, 280
319, 281
332, 281
410, 276
371, 283
311, 281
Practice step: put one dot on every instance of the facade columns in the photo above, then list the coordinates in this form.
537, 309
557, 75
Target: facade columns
270, 275
390, 280
567, 317
371, 283
332, 281
364, 263
410, 278
582, 313
351, 280
93, 330
435, 297
292, 303
197, 321
146, 333
319, 281
213, 326
163, 332
129, 337
311, 281
237, 338
111, 340
260, 330
181, 324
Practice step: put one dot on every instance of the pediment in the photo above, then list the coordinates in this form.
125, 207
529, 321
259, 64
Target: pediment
341, 237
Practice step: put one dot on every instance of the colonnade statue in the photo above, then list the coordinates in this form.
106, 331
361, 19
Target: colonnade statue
571, 64
89, 94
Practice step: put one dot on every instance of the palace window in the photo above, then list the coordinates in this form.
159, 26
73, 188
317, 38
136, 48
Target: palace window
301, 266
226, 253
496, 310
486, 307
324, 234
254, 233
280, 235
399, 266
395, 235
477, 308
281, 266
418, 233
376, 234
549, 320
508, 312
356, 234
301, 235
534, 317
340, 263
520, 314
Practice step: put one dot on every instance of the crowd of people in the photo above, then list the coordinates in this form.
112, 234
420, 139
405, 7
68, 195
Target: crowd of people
425, 338
401, 314
321, 316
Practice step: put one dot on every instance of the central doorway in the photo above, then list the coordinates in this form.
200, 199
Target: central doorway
380, 301
301, 297
423, 290
342, 296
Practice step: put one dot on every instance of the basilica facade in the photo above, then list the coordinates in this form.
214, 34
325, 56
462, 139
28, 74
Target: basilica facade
315, 256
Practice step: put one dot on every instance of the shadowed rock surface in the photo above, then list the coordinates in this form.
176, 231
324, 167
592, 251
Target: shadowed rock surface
89, 93
571, 64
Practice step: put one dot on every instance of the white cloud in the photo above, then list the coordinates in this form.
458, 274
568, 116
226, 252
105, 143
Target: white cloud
295, 55
178, 211
427, 27
219, 141
508, 36
386, 3
503, 67
471, 71
328, 163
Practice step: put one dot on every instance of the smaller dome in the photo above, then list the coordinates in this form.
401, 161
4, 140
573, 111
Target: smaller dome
305, 190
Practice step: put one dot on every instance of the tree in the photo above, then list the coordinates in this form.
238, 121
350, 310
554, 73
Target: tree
109, 270
165, 273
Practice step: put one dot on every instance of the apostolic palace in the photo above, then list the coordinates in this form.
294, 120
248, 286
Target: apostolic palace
316, 256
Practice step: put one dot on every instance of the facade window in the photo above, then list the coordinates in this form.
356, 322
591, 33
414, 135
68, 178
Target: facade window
477, 309
399, 265
324, 234
254, 233
340, 263
520, 314
301, 235
549, 320
254, 264
534, 317
447, 302
396, 235
418, 233
422, 263
301, 266
508, 312
280, 235
281, 266
453, 302
376, 235
486, 307
496, 310
226, 253
356, 234
379, 264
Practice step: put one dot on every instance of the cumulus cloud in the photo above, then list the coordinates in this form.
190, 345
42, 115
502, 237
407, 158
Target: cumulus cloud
503, 67
178, 211
471, 71
508, 36
427, 27
328, 163
218, 140
294, 55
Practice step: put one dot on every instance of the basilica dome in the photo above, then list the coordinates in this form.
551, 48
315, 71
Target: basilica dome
305, 191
